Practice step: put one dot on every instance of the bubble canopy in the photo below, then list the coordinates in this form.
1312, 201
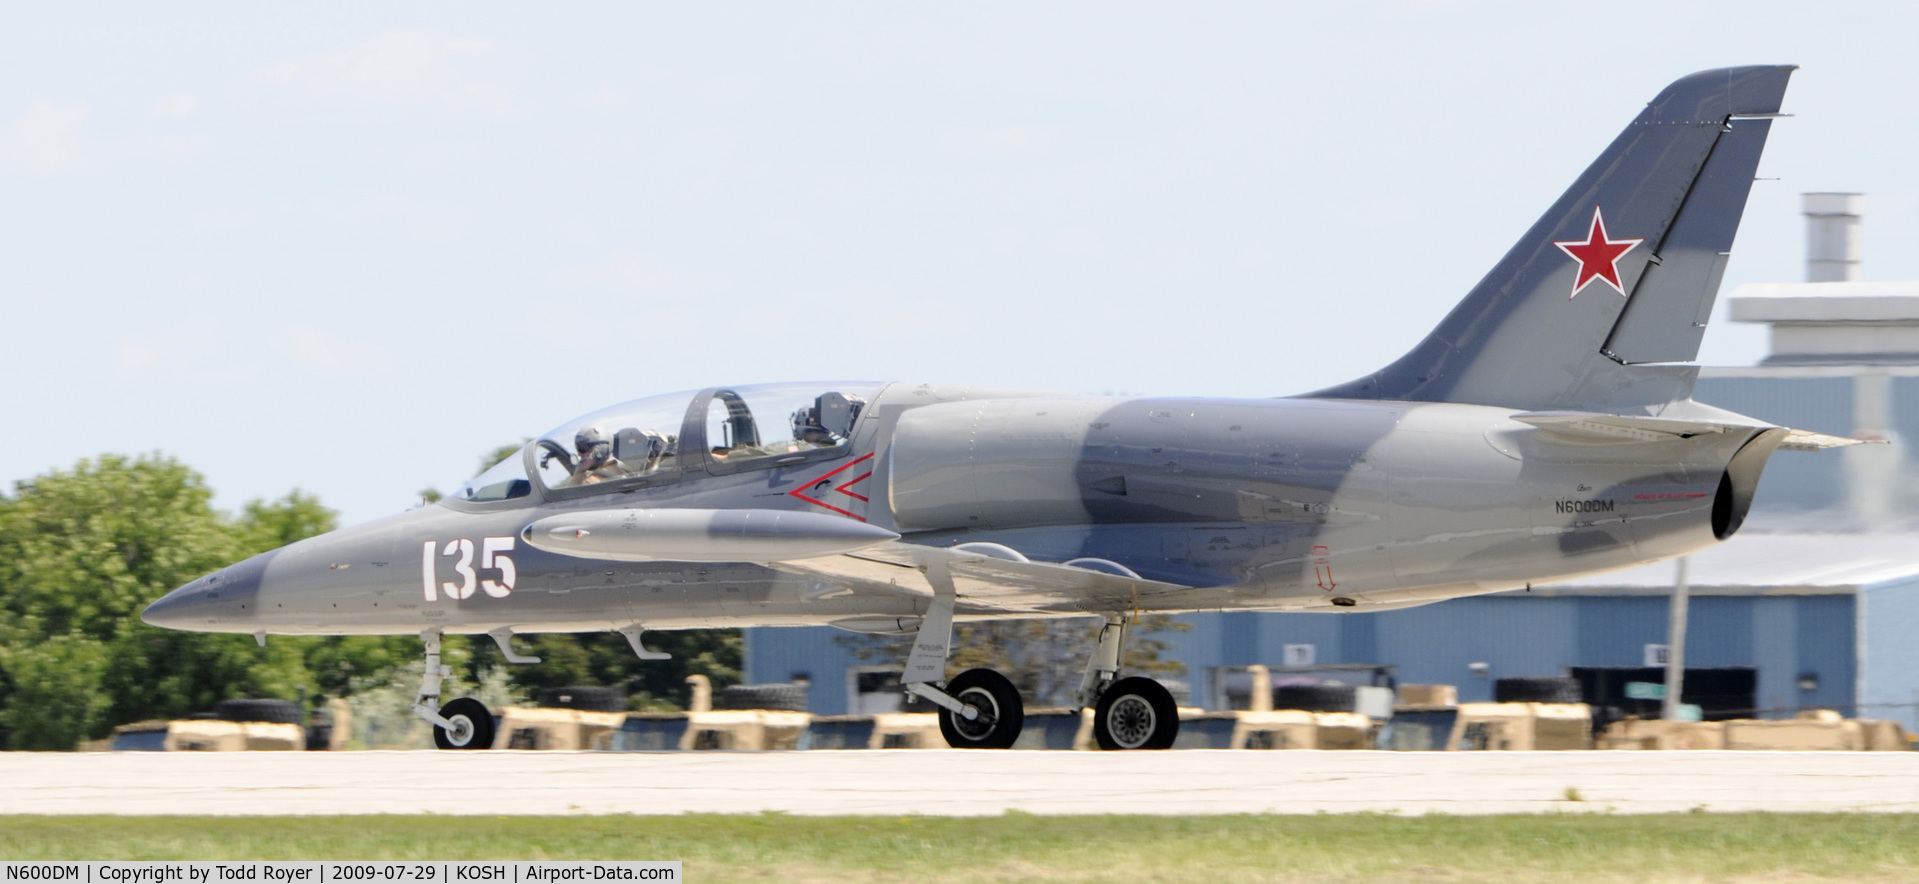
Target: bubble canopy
657, 439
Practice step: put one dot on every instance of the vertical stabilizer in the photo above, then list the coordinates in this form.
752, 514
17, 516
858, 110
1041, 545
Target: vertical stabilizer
1619, 274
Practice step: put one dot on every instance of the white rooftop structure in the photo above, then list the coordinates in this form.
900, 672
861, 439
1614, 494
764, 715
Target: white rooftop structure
1834, 318
1832, 235
1834, 322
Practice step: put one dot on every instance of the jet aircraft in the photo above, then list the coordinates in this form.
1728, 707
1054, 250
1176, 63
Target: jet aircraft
1546, 429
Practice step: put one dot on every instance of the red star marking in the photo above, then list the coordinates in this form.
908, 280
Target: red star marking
1598, 256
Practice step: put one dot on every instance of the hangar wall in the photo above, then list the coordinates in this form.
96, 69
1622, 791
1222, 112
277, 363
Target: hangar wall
1888, 623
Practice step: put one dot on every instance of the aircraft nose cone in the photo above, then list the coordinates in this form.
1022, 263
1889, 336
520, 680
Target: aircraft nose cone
226, 596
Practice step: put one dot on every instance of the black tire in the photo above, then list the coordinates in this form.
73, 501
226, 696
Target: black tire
777, 697
1135, 713
270, 711
992, 694
1538, 690
478, 722
586, 698
1315, 697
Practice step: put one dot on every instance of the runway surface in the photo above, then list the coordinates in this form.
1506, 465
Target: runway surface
954, 783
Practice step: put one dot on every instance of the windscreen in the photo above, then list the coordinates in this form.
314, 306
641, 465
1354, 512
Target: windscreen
502, 481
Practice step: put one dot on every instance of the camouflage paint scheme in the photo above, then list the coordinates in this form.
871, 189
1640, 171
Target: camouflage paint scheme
1534, 436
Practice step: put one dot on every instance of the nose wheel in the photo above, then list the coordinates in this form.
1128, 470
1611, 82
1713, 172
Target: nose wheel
469, 725
462, 724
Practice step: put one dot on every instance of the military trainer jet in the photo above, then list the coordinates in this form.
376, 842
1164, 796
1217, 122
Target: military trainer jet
1544, 430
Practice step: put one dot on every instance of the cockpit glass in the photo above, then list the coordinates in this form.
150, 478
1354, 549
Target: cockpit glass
759, 424
630, 441
502, 481
771, 420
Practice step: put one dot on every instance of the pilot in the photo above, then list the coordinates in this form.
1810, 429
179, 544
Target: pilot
808, 432
596, 462
809, 423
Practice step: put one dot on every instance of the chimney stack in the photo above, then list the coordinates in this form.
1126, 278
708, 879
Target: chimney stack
1832, 236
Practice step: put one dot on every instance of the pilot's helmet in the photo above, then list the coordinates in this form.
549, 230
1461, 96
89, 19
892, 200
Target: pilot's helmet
592, 440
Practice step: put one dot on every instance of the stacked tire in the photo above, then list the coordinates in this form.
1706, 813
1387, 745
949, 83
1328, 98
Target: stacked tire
1315, 697
1538, 690
269, 711
775, 697
586, 698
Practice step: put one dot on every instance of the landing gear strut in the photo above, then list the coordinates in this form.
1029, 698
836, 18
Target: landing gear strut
1130, 713
462, 724
979, 708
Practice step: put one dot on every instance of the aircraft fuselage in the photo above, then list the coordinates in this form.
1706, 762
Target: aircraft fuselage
1268, 504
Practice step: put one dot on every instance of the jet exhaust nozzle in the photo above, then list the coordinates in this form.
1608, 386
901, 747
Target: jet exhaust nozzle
700, 535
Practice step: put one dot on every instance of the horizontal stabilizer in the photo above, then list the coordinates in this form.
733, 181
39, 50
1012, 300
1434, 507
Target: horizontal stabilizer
1585, 426
1806, 440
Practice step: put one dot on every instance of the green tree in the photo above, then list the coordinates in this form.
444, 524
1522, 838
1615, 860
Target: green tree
53, 686
265, 525
82, 551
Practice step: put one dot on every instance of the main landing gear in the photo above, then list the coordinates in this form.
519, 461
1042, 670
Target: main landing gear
998, 714
980, 708
1130, 713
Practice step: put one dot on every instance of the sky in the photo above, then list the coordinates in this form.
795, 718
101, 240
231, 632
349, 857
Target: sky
351, 248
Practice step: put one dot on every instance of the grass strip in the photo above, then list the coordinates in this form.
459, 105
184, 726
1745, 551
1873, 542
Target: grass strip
1023, 847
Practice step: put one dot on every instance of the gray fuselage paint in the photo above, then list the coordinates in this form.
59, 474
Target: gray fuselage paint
1280, 504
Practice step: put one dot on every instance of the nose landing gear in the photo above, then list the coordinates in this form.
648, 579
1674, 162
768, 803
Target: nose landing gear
462, 724
471, 726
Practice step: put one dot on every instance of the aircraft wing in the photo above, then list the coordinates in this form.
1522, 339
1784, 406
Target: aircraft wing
988, 579
1594, 427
